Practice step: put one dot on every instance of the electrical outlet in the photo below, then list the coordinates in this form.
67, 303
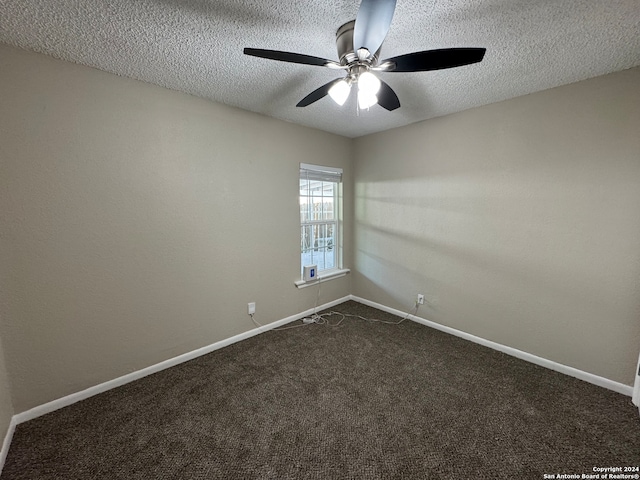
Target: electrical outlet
251, 308
420, 299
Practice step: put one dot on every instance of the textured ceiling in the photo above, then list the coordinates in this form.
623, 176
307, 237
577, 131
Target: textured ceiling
195, 46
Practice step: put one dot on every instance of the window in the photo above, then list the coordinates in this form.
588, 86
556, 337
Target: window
319, 216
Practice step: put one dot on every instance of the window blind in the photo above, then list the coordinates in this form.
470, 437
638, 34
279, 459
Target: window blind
318, 173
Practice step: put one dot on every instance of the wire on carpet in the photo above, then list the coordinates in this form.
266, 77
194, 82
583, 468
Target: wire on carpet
323, 318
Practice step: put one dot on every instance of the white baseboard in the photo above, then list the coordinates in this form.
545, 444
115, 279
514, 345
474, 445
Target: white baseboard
103, 387
636, 386
543, 362
7, 442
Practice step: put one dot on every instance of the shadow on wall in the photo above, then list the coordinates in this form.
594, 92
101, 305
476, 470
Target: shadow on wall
525, 257
551, 254
415, 256
559, 236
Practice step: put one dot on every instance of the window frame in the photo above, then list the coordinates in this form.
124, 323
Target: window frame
329, 175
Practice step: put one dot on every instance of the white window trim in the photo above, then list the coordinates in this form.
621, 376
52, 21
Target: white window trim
338, 271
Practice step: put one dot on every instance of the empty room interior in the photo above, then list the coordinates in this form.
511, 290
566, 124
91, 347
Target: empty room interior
163, 186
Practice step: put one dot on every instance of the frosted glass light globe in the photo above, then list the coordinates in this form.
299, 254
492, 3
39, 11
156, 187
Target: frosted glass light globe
340, 92
366, 100
368, 83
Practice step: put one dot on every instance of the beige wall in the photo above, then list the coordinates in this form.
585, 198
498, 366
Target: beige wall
138, 222
520, 221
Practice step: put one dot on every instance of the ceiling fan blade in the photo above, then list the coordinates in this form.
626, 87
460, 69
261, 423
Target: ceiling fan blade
387, 98
290, 57
435, 59
372, 24
317, 94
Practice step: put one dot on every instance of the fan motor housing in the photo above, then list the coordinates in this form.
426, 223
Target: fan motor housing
344, 43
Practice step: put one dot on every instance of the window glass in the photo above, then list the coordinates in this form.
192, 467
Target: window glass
319, 216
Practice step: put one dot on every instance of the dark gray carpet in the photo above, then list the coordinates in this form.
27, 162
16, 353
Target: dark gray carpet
361, 401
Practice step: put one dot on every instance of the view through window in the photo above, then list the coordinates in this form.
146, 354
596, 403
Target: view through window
319, 216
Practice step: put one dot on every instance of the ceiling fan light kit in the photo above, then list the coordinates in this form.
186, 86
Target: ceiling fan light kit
340, 92
368, 83
368, 87
355, 41
366, 100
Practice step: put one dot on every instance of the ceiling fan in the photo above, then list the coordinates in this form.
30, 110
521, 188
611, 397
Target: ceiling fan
359, 43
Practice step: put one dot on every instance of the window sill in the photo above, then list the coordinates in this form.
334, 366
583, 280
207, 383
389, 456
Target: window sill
323, 277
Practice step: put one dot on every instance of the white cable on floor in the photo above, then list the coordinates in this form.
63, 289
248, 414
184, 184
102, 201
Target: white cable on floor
322, 319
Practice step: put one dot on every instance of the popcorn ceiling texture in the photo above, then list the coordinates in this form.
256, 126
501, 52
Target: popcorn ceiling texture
195, 46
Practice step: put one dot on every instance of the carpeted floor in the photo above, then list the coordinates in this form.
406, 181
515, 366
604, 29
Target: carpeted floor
359, 401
